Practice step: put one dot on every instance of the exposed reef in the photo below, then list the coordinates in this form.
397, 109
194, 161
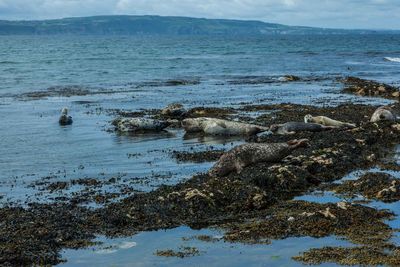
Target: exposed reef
362, 87
253, 206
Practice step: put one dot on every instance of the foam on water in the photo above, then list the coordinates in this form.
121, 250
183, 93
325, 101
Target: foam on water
393, 59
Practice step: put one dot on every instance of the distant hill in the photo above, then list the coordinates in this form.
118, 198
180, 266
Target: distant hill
156, 25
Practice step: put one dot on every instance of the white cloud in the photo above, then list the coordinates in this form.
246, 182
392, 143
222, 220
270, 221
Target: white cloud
326, 13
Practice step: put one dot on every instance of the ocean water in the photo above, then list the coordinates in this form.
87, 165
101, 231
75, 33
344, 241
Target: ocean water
132, 73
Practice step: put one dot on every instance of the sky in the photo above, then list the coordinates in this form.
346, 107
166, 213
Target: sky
360, 14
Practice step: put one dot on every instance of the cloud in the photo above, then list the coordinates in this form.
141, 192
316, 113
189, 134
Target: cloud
324, 13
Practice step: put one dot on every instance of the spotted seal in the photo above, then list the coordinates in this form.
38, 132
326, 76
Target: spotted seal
327, 121
64, 118
294, 127
383, 114
174, 110
139, 125
214, 126
247, 154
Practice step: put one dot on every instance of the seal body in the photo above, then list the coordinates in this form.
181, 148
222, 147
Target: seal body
64, 118
327, 121
174, 110
247, 154
214, 126
293, 127
140, 125
383, 114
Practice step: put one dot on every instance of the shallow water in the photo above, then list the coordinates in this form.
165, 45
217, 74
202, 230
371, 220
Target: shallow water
219, 253
131, 73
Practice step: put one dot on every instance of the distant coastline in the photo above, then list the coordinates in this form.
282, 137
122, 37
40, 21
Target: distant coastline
159, 25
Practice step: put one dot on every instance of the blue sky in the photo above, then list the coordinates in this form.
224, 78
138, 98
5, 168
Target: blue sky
366, 14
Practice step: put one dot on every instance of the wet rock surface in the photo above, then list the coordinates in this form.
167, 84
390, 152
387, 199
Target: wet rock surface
359, 224
362, 87
364, 256
379, 186
254, 206
182, 253
198, 157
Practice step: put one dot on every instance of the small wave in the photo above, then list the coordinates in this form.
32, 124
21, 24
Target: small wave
393, 59
8, 62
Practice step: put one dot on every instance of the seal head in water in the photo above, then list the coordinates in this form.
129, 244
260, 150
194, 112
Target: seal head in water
248, 154
64, 118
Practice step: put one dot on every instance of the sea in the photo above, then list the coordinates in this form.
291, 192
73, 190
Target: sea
95, 75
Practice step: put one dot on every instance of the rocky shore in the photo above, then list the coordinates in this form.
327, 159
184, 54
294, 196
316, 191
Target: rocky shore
254, 206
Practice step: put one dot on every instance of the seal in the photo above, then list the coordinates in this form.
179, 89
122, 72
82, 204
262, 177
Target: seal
139, 125
214, 126
383, 114
174, 110
327, 121
64, 118
294, 127
248, 154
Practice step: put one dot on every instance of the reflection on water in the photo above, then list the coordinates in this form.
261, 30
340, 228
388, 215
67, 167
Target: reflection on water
139, 251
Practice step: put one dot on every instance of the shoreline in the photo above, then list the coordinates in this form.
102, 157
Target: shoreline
239, 203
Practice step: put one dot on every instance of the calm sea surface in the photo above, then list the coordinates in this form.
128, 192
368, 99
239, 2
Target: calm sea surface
132, 73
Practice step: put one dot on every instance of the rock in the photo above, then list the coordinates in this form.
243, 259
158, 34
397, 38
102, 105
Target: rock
343, 205
327, 213
396, 127
382, 89
361, 92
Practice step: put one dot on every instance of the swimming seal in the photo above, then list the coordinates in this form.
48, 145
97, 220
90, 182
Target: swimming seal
64, 118
327, 121
294, 127
383, 114
139, 125
214, 126
247, 154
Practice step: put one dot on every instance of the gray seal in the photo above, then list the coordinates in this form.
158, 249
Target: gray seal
214, 126
64, 118
174, 110
139, 125
294, 127
383, 114
248, 154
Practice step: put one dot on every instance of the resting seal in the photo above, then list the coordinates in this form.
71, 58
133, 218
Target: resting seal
175, 110
294, 127
383, 114
140, 125
244, 155
64, 118
214, 126
327, 121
